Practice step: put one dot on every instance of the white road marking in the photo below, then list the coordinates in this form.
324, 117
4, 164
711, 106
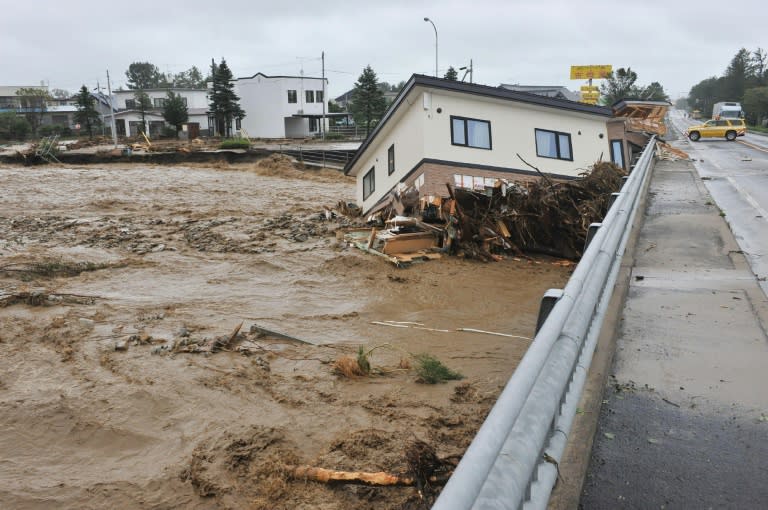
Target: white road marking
748, 198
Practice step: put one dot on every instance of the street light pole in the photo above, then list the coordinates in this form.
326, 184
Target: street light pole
433, 26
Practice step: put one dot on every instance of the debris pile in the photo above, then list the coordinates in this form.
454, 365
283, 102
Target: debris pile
542, 216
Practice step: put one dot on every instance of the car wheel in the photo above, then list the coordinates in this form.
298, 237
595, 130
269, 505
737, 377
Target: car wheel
694, 136
730, 136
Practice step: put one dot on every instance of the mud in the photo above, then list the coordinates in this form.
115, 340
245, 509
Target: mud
115, 399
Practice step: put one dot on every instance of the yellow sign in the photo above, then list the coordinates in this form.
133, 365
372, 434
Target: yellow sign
590, 72
589, 88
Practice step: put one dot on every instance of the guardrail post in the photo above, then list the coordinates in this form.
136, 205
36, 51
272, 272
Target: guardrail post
613, 198
547, 304
591, 231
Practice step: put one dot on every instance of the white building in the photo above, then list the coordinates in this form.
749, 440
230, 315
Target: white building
440, 131
128, 118
281, 106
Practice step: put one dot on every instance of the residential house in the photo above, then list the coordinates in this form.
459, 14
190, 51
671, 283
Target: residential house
281, 106
440, 131
555, 91
57, 112
128, 116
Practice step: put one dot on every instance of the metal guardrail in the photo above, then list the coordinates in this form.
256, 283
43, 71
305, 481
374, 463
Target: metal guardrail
512, 461
336, 159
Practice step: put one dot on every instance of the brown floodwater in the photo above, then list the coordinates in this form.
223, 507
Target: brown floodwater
172, 257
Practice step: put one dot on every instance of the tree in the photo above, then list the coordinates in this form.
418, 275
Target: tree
34, 104
143, 75
368, 104
619, 85
737, 74
175, 111
451, 74
192, 78
224, 105
143, 104
755, 104
653, 92
86, 110
758, 67
13, 127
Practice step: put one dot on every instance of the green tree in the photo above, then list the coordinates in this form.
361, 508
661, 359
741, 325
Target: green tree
175, 111
86, 110
451, 74
143, 75
192, 78
619, 85
368, 104
224, 105
705, 94
34, 104
143, 104
653, 92
758, 67
737, 74
13, 127
755, 105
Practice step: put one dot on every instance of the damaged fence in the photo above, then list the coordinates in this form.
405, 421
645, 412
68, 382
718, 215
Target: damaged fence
513, 460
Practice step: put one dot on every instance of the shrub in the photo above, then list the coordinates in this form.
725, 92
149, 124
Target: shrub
431, 370
235, 143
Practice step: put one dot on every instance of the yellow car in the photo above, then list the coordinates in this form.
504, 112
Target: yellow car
721, 128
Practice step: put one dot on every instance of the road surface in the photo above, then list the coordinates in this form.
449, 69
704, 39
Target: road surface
684, 416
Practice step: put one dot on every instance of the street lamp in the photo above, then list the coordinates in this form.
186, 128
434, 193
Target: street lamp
433, 26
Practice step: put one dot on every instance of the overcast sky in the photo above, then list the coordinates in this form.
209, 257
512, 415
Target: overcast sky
677, 43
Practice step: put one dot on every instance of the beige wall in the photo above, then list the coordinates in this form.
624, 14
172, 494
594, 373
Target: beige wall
408, 138
512, 132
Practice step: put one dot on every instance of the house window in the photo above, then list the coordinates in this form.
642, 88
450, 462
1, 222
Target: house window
313, 125
309, 96
471, 132
552, 144
617, 153
318, 96
291, 96
184, 100
238, 123
130, 103
158, 102
369, 183
391, 160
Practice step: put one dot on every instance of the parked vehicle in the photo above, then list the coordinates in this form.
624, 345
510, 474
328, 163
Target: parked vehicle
722, 128
727, 110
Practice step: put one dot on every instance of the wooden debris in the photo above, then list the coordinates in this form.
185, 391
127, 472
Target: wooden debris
381, 478
666, 152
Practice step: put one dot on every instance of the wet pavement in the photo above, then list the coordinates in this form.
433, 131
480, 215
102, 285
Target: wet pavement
684, 418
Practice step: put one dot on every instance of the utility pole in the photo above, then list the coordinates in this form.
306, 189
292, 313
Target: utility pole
112, 107
322, 125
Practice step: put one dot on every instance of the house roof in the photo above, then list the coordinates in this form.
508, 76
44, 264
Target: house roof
266, 76
476, 90
544, 90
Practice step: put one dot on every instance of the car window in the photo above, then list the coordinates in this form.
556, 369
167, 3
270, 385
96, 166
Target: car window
721, 123
709, 123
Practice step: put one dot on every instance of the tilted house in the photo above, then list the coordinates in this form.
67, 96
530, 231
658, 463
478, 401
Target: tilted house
440, 131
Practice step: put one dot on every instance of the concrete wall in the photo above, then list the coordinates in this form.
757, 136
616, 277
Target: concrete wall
265, 102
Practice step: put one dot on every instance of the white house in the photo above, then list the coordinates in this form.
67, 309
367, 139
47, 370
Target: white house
441, 131
128, 118
281, 106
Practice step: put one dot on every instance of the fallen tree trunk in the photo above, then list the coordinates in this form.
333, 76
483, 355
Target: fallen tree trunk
380, 478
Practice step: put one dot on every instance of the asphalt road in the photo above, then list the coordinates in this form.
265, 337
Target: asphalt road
684, 417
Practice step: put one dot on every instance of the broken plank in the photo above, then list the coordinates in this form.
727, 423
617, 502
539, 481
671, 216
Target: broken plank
275, 334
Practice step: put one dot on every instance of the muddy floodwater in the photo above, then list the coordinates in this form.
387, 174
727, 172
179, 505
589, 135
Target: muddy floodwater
113, 280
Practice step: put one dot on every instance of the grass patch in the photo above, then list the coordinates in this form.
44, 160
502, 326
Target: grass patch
235, 143
760, 129
432, 371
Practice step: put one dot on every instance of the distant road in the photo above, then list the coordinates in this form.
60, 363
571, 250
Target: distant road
736, 175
